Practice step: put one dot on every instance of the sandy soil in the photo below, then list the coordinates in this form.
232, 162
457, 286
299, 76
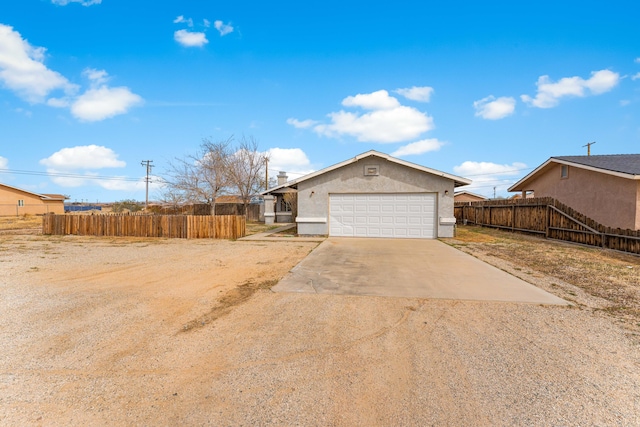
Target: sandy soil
159, 332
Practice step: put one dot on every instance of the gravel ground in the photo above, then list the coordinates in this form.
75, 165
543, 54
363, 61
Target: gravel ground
93, 333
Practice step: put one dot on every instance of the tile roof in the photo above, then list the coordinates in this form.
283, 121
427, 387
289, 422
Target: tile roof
624, 163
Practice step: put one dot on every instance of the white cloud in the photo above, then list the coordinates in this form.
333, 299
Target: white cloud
379, 100
97, 77
491, 108
419, 147
122, 183
100, 101
103, 103
181, 20
637, 60
22, 69
635, 76
86, 157
301, 124
294, 161
415, 93
190, 38
206, 23
3, 162
82, 2
624, 102
486, 175
223, 28
549, 93
382, 126
387, 122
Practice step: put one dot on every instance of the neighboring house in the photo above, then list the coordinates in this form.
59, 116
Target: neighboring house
14, 201
605, 188
468, 196
372, 195
529, 195
229, 199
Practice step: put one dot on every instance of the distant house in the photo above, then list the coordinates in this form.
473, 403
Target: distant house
15, 201
467, 196
371, 195
529, 195
605, 188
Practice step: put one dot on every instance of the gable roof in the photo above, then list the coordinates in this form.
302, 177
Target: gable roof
459, 193
42, 196
621, 165
458, 181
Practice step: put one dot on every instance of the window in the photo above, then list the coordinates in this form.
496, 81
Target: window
20, 202
564, 171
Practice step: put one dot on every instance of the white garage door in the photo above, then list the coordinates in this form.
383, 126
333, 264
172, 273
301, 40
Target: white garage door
383, 215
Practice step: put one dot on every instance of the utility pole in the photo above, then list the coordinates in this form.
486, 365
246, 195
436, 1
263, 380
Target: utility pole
494, 192
266, 173
589, 147
148, 165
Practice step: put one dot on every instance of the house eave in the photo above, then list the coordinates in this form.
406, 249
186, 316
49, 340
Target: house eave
457, 180
521, 185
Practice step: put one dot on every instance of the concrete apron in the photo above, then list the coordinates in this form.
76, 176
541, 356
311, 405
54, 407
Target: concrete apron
415, 268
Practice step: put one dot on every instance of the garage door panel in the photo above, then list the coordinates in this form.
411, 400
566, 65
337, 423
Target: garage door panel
383, 215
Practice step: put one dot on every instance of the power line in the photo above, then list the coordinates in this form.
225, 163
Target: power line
68, 175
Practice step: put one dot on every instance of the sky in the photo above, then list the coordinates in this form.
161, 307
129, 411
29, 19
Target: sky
89, 89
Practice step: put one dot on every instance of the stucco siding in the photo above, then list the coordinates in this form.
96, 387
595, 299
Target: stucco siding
313, 194
610, 200
467, 198
31, 203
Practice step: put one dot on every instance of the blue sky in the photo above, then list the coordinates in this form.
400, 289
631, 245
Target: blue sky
484, 90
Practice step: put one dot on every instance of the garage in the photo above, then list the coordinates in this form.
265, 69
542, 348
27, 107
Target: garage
395, 215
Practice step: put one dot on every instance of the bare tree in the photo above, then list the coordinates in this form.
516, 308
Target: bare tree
291, 199
173, 197
246, 169
203, 176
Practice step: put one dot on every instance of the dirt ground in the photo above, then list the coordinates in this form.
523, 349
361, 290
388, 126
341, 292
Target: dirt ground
177, 332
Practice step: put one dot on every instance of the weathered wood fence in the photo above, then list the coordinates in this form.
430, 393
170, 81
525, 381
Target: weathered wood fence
547, 217
169, 226
252, 211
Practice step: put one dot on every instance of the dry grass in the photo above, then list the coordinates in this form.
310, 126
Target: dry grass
605, 274
258, 227
21, 222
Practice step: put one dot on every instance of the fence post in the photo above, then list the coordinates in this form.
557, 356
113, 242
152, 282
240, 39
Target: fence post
547, 221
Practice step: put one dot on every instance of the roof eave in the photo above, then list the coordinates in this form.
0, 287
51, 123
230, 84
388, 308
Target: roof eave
518, 186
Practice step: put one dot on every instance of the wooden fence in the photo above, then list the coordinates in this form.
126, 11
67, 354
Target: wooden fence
548, 217
252, 212
168, 226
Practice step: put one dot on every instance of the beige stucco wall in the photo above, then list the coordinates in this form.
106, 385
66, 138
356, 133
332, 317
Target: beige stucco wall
313, 194
610, 200
33, 205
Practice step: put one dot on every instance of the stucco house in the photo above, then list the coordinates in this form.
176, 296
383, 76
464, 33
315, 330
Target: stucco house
15, 201
468, 196
372, 195
605, 188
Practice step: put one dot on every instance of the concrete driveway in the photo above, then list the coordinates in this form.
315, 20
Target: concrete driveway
417, 268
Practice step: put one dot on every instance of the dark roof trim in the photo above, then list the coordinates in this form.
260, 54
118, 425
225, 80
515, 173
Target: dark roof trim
623, 161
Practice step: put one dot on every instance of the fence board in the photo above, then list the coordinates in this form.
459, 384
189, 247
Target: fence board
168, 226
546, 216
